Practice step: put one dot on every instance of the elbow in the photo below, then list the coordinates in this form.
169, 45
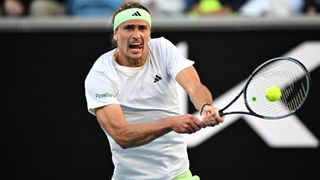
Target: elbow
123, 142
124, 145
119, 137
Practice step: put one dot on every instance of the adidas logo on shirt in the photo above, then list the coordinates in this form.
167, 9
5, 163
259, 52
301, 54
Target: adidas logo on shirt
136, 14
157, 78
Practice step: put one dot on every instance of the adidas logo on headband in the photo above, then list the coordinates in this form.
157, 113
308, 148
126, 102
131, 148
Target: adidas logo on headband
136, 14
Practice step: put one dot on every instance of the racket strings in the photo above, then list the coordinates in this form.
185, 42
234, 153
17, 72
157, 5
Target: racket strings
295, 95
289, 76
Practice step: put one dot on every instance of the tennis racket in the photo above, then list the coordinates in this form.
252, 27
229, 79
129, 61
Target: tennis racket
289, 75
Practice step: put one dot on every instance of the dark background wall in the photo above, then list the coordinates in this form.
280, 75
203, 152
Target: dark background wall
47, 132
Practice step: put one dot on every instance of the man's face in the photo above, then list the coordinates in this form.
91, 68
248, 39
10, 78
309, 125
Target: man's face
132, 38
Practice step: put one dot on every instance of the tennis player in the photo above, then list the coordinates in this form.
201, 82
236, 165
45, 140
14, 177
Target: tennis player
132, 92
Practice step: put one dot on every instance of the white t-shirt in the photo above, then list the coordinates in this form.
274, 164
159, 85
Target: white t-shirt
145, 94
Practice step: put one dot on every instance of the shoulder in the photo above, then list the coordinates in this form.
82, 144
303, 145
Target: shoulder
101, 72
161, 45
159, 41
104, 61
102, 67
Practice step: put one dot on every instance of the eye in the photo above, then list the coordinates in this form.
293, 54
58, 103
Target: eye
129, 27
142, 28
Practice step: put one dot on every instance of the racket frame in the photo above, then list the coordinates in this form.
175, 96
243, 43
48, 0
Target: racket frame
243, 91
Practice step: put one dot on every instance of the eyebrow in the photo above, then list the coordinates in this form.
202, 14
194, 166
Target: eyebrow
135, 25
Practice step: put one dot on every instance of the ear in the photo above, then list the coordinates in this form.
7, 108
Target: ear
115, 37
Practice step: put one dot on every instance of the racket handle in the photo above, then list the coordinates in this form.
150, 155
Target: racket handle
221, 113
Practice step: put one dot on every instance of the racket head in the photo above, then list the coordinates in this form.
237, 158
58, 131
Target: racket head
287, 73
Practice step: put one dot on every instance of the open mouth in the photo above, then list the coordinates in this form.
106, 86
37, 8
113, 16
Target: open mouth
136, 45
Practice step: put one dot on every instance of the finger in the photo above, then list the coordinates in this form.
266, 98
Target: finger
194, 125
188, 129
208, 113
217, 117
201, 122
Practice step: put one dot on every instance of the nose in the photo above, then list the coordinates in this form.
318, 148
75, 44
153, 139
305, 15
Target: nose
136, 33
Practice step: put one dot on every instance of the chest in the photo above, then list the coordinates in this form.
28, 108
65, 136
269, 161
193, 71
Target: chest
150, 85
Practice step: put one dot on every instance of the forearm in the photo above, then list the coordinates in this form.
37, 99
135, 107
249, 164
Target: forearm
200, 95
133, 135
128, 135
190, 81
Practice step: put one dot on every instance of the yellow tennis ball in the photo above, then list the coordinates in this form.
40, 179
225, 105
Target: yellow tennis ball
273, 93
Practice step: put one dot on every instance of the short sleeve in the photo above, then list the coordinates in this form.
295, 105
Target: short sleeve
175, 61
99, 91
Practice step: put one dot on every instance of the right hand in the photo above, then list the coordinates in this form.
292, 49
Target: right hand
210, 116
186, 123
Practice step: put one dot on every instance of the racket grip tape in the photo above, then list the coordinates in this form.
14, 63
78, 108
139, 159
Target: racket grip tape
221, 113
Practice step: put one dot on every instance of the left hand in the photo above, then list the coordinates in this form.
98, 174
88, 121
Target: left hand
210, 116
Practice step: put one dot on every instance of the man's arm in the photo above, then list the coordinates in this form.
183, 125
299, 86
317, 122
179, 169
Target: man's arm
190, 81
112, 120
199, 95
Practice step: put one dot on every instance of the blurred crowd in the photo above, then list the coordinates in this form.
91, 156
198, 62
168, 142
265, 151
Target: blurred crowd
192, 8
